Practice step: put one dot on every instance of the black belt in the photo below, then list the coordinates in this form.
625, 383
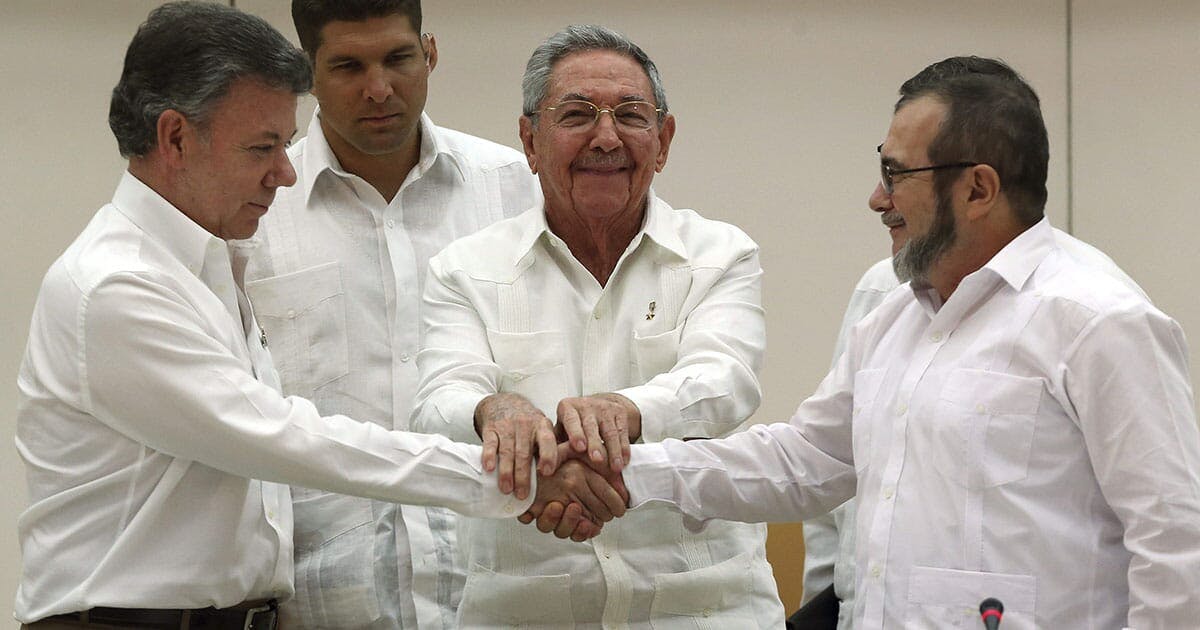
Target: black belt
250, 616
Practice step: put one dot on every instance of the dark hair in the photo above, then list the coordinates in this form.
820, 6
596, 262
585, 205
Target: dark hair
580, 38
184, 57
310, 16
992, 117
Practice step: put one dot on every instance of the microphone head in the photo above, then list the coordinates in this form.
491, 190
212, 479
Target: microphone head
990, 604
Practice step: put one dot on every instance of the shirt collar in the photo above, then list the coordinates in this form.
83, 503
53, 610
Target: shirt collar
165, 223
318, 157
1016, 262
656, 225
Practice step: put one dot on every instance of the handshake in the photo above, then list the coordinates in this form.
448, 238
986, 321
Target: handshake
579, 461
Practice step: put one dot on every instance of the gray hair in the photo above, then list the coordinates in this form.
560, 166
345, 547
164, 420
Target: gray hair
580, 38
185, 57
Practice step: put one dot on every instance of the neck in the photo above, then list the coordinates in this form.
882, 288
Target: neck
385, 172
596, 243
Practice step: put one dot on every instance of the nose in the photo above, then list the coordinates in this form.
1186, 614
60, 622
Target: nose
281, 173
604, 134
377, 89
879, 201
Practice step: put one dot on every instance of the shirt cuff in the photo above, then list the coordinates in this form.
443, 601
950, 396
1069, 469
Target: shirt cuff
648, 475
495, 504
454, 415
659, 411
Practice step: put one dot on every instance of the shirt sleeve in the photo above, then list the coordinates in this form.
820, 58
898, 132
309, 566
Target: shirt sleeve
156, 372
455, 372
1126, 378
787, 471
713, 386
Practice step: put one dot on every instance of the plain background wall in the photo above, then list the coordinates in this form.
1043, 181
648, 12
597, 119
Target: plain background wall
780, 105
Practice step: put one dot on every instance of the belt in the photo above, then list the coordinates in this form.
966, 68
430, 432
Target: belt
258, 615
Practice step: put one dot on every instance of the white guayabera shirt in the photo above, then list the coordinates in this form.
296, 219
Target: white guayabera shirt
148, 411
679, 330
829, 539
336, 283
1032, 439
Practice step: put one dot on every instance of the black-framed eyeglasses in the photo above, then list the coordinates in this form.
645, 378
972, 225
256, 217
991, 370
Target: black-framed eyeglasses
887, 173
583, 115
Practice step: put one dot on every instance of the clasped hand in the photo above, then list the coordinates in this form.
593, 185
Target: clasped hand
579, 462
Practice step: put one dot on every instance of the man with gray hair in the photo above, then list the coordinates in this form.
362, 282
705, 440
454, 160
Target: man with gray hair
621, 318
155, 440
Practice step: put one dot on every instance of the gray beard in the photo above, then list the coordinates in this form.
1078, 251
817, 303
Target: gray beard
914, 260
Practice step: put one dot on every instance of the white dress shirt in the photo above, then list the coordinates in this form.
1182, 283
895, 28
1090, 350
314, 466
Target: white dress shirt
1031, 439
679, 330
829, 538
147, 412
336, 283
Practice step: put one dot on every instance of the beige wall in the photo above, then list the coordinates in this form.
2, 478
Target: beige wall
779, 105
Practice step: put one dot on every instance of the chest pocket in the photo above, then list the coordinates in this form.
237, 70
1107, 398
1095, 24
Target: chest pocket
304, 317
533, 365
983, 427
655, 354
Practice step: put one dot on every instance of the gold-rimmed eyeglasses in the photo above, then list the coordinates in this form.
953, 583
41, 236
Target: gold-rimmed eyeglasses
583, 115
888, 174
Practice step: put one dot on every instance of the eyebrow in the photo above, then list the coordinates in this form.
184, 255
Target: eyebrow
888, 160
403, 48
575, 96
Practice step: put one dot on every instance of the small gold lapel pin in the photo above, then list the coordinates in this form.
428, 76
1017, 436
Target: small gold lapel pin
650, 315
262, 337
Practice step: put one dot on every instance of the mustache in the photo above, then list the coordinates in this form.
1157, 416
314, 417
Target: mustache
891, 218
603, 160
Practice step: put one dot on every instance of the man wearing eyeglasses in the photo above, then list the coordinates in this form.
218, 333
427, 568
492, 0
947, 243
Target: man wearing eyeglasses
336, 284
601, 318
1017, 425
829, 539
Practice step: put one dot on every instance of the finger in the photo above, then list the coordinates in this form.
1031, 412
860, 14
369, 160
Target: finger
607, 495
570, 521
568, 419
626, 451
610, 430
592, 430
491, 443
590, 492
504, 465
586, 530
550, 517
547, 448
522, 458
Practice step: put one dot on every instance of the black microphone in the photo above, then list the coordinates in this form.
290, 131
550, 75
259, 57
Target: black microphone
991, 610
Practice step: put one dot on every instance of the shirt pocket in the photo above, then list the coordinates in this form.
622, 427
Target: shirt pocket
516, 601
983, 427
304, 317
532, 364
335, 561
655, 354
717, 596
949, 598
867, 384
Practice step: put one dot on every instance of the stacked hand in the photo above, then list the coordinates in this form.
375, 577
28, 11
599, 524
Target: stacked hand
579, 481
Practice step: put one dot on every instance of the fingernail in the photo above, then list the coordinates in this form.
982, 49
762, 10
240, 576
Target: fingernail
597, 455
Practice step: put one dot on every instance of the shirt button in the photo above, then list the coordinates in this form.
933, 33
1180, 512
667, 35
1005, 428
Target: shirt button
980, 409
707, 612
888, 492
935, 337
876, 571
596, 314
390, 223
404, 357
901, 409
508, 509
291, 314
